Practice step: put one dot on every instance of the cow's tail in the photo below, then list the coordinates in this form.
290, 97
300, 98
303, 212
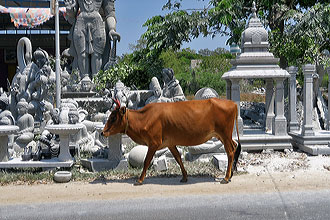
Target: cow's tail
238, 148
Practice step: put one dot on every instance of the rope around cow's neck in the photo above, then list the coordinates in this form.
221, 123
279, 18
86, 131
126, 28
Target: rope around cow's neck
126, 121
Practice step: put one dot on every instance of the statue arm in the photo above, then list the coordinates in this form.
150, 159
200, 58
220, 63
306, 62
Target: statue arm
71, 10
111, 21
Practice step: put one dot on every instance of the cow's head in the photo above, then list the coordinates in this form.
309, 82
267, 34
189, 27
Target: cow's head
116, 121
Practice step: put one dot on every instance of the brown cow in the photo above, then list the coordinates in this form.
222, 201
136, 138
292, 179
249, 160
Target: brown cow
186, 123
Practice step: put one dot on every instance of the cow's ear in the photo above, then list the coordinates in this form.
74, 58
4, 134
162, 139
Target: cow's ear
122, 111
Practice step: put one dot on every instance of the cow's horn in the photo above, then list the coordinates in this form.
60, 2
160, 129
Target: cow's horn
117, 102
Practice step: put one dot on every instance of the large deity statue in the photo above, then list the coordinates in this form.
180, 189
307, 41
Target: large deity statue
89, 33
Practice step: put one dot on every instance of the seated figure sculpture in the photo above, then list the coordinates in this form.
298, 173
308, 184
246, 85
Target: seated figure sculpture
172, 89
83, 139
25, 122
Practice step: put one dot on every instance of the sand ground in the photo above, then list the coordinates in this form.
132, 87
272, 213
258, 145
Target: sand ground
266, 172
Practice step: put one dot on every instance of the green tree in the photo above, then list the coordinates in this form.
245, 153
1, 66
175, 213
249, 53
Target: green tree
224, 17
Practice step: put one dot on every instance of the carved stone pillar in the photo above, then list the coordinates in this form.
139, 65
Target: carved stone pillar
115, 150
293, 124
307, 128
228, 89
269, 104
235, 96
279, 122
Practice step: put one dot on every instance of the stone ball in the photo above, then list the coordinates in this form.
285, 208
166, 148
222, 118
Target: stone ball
137, 155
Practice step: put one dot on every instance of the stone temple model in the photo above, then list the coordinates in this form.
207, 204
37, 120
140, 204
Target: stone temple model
256, 62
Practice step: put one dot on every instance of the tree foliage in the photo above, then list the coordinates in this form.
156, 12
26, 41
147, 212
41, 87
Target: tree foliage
227, 18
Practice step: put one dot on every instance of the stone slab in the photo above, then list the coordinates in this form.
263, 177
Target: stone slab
264, 140
199, 157
314, 145
97, 165
220, 161
51, 163
160, 164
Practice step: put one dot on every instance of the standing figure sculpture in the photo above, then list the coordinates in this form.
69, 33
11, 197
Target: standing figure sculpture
89, 32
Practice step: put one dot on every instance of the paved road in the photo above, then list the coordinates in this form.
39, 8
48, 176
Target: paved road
275, 205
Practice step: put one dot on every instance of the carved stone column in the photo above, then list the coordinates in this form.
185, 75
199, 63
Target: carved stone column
228, 89
235, 96
115, 150
293, 124
269, 104
279, 122
307, 128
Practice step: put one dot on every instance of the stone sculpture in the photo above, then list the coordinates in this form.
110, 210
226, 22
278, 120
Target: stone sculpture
172, 89
88, 32
211, 146
32, 83
6, 118
25, 122
157, 92
82, 139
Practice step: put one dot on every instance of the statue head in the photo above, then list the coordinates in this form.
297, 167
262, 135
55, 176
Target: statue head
73, 116
167, 74
41, 57
155, 87
86, 84
22, 107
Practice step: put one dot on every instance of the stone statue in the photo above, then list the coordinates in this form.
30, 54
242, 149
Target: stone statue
172, 89
33, 83
125, 96
211, 146
86, 84
25, 122
83, 139
157, 92
39, 83
89, 32
6, 118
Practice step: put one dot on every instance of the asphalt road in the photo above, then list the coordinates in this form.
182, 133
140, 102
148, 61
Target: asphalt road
275, 205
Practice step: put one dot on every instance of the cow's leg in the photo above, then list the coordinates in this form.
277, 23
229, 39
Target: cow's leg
230, 150
177, 157
149, 156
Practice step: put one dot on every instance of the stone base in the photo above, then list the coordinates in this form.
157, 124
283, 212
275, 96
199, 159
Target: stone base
96, 165
314, 145
220, 161
51, 163
199, 157
257, 139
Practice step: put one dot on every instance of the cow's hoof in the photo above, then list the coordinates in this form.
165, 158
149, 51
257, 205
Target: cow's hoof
223, 181
137, 183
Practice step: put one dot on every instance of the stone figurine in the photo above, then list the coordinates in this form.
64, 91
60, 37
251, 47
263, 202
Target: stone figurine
33, 83
89, 32
157, 92
172, 89
25, 122
6, 117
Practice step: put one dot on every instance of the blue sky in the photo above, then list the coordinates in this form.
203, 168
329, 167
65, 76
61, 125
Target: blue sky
132, 14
